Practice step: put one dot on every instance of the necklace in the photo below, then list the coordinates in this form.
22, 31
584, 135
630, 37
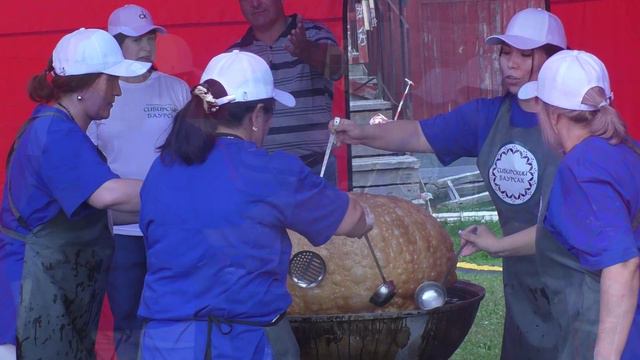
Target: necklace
66, 110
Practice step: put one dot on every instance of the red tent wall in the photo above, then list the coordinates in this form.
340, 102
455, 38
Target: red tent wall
608, 29
31, 31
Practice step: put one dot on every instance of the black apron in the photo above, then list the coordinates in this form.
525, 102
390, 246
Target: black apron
574, 292
517, 167
63, 282
284, 345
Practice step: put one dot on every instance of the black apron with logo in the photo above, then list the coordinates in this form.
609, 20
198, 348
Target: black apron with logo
517, 167
574, 292
63, 282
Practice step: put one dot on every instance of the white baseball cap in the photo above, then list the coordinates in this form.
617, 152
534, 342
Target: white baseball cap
531, 28
565, 78
132, 20
246, 77
87, 51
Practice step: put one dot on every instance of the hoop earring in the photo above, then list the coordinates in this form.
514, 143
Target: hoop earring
79, 97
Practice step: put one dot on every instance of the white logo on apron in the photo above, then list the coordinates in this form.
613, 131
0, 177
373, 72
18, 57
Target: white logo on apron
514, 174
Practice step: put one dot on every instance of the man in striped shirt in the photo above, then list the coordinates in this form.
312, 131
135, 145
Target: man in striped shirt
305, 60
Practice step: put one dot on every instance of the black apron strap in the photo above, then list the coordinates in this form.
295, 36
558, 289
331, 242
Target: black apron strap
14, 210
226, 327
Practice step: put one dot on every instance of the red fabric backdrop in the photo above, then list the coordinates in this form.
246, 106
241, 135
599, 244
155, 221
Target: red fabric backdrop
30, 32
608, 29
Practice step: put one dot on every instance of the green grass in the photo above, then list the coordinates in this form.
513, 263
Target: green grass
481, 257
484, 340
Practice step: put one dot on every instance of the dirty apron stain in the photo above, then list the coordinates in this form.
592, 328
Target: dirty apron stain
63, 284
517, 167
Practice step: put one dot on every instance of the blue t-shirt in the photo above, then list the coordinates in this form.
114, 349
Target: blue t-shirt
595, 196
463, 131
216, 235
54, 167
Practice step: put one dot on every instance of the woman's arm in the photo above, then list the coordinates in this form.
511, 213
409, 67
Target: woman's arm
480, 237
402, 135
619, 286
117, 194
357, 221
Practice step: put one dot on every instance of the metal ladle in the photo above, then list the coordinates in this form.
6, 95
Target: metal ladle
387, 290
431, 294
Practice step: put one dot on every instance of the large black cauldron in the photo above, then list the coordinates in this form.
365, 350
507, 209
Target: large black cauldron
432, 334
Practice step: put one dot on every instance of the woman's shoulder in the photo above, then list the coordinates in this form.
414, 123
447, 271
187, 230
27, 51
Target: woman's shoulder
597, 157
169, 79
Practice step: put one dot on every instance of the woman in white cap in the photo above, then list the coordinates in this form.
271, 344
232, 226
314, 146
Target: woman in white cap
215, 210
591, 266
58, 189
514, 162
139, 122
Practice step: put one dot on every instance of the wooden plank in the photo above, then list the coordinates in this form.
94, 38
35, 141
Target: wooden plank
365, 151
405, 191
369, 105
386, 177
384, 162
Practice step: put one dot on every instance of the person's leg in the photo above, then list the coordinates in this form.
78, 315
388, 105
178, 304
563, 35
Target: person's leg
126, 278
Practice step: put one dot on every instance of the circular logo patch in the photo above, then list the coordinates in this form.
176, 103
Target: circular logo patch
514, 174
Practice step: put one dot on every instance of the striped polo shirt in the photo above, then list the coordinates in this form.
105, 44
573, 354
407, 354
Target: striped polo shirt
302, 129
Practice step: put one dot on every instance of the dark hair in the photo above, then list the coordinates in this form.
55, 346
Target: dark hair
193, 134
120, 38
550, 49
48, 86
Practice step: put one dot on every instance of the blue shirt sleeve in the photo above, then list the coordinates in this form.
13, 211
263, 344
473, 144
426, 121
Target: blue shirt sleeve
462, 131
589, 216
72, 169
318, 207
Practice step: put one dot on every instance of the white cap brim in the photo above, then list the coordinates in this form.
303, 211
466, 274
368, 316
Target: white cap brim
528, 90
128, 68
284, 98
125, 30
518, 42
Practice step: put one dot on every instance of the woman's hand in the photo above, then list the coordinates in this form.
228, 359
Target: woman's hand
478, 237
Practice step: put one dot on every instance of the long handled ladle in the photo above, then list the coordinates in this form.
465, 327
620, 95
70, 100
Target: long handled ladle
387, 290
431, 294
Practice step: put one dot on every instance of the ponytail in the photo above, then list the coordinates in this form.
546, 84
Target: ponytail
40, 87
48, 86
193, 134
604, 121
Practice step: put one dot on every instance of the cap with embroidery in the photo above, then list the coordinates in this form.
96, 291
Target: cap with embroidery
132, 20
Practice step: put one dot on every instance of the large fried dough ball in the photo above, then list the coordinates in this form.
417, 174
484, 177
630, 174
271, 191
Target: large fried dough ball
411, 246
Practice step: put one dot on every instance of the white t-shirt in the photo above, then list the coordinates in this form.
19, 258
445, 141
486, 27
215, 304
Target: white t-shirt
140, 121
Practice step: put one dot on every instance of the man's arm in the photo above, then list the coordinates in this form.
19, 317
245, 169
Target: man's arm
323, 57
